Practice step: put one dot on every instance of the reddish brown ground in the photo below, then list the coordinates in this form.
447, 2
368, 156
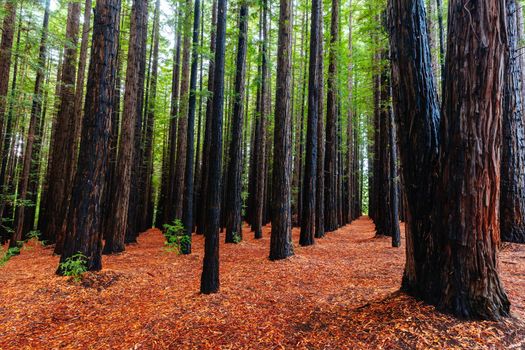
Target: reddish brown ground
339, 294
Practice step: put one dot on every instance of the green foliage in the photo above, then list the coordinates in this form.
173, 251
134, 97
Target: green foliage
237, 238
175, 237
8, 255
74, 266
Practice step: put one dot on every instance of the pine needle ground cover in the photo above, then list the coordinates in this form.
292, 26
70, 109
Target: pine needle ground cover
341, 293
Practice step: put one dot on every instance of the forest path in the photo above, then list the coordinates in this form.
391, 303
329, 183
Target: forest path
340, 293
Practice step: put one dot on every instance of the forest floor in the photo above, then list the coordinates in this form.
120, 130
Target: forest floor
341, 293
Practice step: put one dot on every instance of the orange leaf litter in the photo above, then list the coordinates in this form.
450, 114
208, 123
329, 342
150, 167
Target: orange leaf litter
341, 293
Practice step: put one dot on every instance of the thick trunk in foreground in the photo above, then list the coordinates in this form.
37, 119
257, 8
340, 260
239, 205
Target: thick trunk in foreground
452, 259
512, 203
417, 116
83, 233
281, 237
467, 218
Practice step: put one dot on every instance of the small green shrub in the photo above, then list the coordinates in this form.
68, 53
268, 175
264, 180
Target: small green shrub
74, 266
237, 238
9, 254
175, 237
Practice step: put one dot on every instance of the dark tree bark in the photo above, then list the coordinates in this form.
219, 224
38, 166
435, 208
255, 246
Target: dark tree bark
206, 147
182, 133
32, 134
210, 270
393, 183
149, 125
512, 215
233, 196
467, 218
330, 205
260, 161
451, 259
319, 215
79, 91
187, 213
310, 170
132, 228
169, 207
8, 32
417, 117
281, 237
83, 233
119, 203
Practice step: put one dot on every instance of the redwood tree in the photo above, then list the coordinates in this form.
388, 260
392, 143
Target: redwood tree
83, 233
210, 270
513, 147
119, 203
310, 170
453, 222
233, 199
281, 237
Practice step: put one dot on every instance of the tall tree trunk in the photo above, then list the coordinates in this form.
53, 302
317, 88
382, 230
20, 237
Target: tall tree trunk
83, 233
417, 117
319, 215
451, 259
8, 32
119, 203
187, 212
281, 237
512, 215
34, 123
210, 270
206, 147
233, 199
467, 219
149, 125
182, 133
134, 208
260, 133
79, 92
310, 169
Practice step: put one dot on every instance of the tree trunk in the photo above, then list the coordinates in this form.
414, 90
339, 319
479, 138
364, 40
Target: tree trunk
32, 133
233, 196
210, 270
320, 191
182, 133
187, 212
8, 31
467, 219
512, 215
119, 203
206, 147
330, 198
310, 170
83, 233
281, 238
